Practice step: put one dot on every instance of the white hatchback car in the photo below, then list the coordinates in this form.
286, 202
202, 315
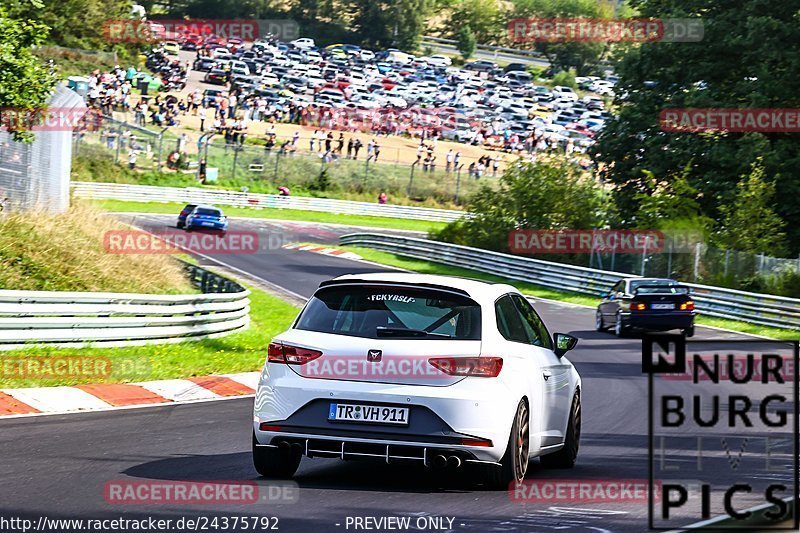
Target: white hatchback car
439, 371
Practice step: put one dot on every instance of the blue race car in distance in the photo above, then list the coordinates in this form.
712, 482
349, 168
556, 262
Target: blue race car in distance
207, 217
188, 208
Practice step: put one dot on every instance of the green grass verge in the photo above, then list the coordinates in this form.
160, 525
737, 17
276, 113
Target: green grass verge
278, 214
240, 352
425, 267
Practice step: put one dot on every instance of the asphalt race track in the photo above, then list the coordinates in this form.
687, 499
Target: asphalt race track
57, 466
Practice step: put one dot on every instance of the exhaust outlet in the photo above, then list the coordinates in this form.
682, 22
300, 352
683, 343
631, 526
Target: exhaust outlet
439, 461
454, 461
284, 446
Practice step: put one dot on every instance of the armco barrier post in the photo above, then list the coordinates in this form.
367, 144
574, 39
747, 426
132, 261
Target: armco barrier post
236, 150
458, 184
119, 143
160, 146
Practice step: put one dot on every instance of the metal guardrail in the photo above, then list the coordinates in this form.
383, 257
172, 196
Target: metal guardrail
147, 193
753, 308
123, 319
487, 48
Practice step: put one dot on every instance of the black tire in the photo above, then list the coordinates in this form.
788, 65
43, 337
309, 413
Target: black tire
514, 464
688, 332
620, 329
599, 324
566, 456
275, 463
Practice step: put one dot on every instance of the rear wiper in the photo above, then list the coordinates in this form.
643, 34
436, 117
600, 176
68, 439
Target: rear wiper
382, 331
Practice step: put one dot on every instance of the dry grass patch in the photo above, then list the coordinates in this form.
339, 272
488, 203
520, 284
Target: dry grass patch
65, 252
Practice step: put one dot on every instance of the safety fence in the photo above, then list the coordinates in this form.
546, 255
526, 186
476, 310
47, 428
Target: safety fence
754, 308
123, 319
290, 164
146, 193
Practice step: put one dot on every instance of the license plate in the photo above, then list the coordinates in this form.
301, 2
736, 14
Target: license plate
663, 306
210, 224
377, 414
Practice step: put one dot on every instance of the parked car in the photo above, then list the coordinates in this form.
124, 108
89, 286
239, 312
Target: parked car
304, 43
216, 76
647, 304
171, 47
481, 65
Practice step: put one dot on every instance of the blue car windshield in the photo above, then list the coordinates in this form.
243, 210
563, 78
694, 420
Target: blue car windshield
208, 212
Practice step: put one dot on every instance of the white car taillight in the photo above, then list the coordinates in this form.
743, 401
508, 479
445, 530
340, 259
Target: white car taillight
486, 367
290, 355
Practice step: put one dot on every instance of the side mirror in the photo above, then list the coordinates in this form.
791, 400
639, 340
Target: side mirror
563, 343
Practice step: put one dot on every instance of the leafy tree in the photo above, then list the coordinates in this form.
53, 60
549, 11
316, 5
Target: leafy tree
466, 42
670, 204
72, 23
577, 55
483, 17
528, 196
565, 77
746, 59
383, 23
25, 83
749, 223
